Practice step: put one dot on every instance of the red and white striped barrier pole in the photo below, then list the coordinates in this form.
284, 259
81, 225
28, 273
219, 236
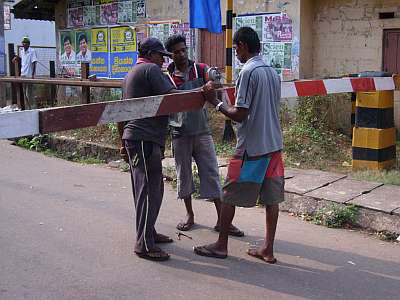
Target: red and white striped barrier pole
16, 124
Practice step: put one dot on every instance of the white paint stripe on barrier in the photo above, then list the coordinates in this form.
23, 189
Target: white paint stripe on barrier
119, 111
19, 123
384, 83
338, 85
288, 90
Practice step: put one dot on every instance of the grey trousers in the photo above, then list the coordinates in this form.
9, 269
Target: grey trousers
147, 188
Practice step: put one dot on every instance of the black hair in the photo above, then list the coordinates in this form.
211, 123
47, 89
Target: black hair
248, 36
83, 37
173, 40
143, 52
67, 39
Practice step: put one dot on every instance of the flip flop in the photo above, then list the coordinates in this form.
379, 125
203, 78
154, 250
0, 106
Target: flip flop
254, 253
162, 239
232, 231
204, 251
184, 226
155, 255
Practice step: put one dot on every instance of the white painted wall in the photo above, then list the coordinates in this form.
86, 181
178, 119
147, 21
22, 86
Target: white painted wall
41, 33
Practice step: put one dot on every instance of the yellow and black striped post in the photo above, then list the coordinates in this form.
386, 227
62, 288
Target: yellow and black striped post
229, 134
228, 40
353, 110
374, 135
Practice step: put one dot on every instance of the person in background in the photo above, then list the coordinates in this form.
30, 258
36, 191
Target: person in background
28, 58
191, 137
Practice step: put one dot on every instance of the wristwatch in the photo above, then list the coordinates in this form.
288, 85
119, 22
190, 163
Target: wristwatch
218, 106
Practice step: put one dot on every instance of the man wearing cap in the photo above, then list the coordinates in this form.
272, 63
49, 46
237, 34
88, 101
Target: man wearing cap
28, 69
142, 144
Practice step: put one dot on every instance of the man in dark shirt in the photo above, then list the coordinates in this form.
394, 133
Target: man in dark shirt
143, 141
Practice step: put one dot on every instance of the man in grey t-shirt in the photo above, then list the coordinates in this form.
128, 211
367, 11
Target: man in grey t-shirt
256, 171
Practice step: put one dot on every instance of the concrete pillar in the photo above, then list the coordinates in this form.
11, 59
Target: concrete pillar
374, 134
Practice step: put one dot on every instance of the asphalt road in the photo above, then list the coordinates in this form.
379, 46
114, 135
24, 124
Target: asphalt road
66, 232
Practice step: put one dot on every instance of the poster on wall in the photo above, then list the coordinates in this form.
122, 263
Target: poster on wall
255, 22
127, 12
100, 52
164, 30
276, 36
67, 53
75, 17
123, 53
141, 8
78, 3
89, 15
82, 46
107, 14
7, 17
277, 28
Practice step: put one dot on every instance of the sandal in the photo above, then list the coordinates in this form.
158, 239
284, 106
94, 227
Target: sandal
233, 231
204, 251
162, 239
256, 254
185, 226
154, 255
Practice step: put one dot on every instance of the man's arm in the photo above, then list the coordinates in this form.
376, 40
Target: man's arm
237, 114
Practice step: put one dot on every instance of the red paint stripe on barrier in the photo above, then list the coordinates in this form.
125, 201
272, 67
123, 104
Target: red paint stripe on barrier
363, 84
310, 88
65, 118
180, 102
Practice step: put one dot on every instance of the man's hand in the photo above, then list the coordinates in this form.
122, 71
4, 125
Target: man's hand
209, 92
124, 154
15, 59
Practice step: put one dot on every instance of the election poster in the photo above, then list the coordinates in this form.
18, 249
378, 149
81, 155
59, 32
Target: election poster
82, 46
99, 65
123, 53
67, 53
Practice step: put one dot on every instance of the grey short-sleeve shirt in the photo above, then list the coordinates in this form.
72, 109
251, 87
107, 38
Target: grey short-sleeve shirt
258, 89
143, 80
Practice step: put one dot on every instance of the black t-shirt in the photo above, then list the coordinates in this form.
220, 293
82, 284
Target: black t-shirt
144, 80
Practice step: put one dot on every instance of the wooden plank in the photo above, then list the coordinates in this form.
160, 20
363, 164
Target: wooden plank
20, 123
